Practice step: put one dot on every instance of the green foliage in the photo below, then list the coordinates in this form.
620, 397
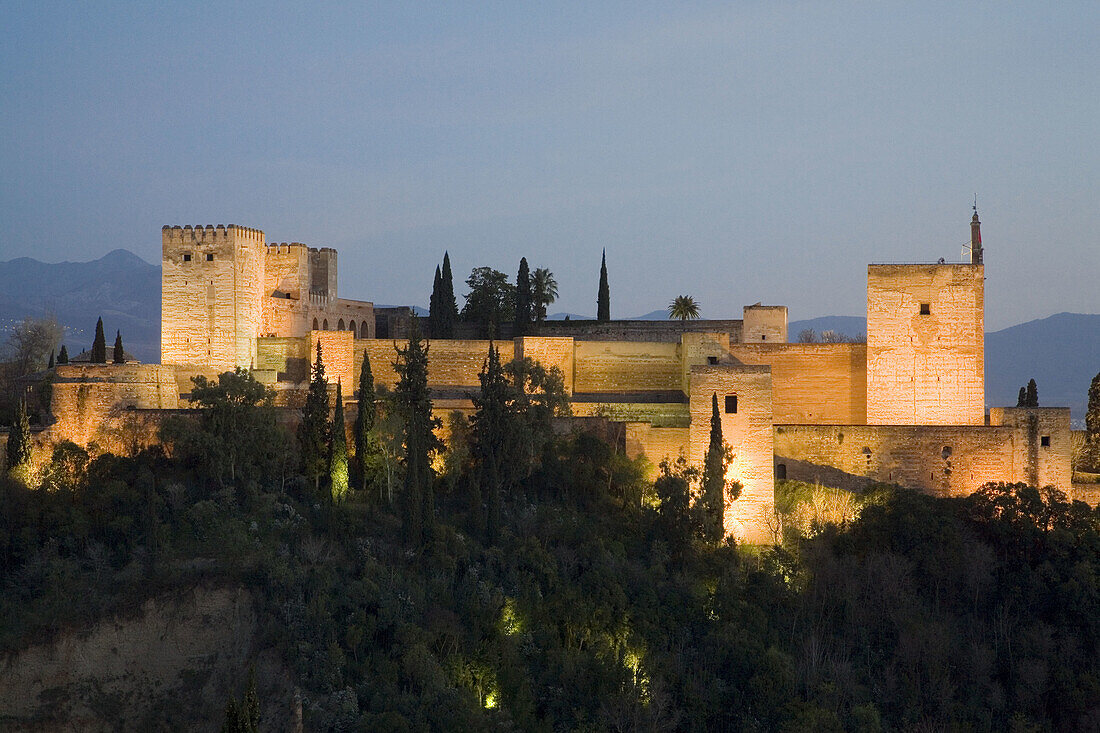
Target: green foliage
365, 437
63, 356
1031, 394
603, 295
435, 315
1021, 400
714, 489
51, 364
245, 716
684, 308
19, 441
448, 307
118, 354
338, 452
414, 403
524, 305
99, 344
1091, 452
544, 291
491, 300
315, 430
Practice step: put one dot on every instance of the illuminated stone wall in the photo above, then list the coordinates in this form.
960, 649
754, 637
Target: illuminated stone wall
1047, 440
925, 369
549, 352
748, 431
656, 444
212, 281
86, 398
626, 366
813, 383
764, 324
697, 349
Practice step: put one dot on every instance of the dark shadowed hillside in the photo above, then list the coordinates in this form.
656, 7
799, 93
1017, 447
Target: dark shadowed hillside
120, 286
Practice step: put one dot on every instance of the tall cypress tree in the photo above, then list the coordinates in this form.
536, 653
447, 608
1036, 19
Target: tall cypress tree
714, 476
338, 452
19, 440
448, 304
603, 297
63, 356
1021, 400
99, 345
51, 364
313, 433
523, 299
1092, 427
365, 418
1032, 394
119, 354
492, 432
435, 315
415, 404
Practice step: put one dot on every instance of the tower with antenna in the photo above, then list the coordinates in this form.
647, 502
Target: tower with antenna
976, 237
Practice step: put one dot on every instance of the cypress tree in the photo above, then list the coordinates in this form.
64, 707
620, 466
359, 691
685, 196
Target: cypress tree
1032, 394
99, 345
603, 297
63, 357
338, 452
19, 440
448, 304
313, 433
714, 477
1021, 400
435, 315
51, 364
1092, 427
414, 402
492, 432
523, 298
365, 418
119, 353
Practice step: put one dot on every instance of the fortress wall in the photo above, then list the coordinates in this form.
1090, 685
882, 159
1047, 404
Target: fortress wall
337, 353
626, 366
450, 362
925, 369
664, 331
656, 444
697, 349
359, 312
288, 357
764, 324
748, 431
286, 270
549, 352
658, 414
86, 397
285, 317
943, 460
820, 384
1045, 465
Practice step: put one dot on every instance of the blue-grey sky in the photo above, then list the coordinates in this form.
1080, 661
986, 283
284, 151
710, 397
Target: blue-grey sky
738, 152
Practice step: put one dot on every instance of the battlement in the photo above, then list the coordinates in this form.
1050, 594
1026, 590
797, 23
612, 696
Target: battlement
209, 233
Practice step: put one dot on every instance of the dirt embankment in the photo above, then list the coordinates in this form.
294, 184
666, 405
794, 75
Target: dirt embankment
169, 667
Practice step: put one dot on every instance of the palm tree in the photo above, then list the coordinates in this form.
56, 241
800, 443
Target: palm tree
544, 291
683, 307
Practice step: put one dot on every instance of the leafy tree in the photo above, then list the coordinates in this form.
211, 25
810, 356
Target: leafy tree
448, 307
1032, 394
807, 336
435, 315
99, 345
1021, 400
119, 355
683, 307
25, 351
338, 452
715, 463
243, 717
603, 296
414, 402
491, 300
544, 291
314, 432
523, 298
19, 441
367, 448
63, 356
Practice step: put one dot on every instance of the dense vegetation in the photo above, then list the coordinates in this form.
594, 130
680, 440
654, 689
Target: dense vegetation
533, 581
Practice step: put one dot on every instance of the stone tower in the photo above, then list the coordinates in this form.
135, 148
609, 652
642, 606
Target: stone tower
926, 342
212, 281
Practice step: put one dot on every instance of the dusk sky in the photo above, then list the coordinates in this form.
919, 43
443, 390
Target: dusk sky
737, 152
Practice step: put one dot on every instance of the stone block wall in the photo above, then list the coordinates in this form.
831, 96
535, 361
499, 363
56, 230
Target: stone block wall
656, 444
550, 352
813, 383
748, 431
925, 345
764, 324
86, 397
1048, 442
626, 366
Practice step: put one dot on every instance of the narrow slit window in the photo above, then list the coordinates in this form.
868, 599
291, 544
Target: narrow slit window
209, 257
187, 257
731, 404
926, 309
1045, 441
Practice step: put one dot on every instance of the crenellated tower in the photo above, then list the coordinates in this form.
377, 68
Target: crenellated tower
212, 288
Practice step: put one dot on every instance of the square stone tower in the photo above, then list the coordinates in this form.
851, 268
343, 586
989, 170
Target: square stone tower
212, 282
926, 344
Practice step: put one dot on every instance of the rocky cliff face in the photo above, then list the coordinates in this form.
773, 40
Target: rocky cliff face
170, 666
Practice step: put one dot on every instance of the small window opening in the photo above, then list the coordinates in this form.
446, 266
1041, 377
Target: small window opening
187, 257
763, 337
712, 359
946, 452
781, 471
1045, 441
731, 404
209, 257
926, 309
324, 325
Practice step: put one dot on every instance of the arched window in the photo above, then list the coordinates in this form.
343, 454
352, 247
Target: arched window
781, 471
324, 326
364, 333
340, 325
351, 327
314, 324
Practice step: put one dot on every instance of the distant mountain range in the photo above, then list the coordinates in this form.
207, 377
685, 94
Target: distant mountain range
1062, 352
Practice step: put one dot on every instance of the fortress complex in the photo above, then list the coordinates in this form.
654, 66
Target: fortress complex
907, 407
